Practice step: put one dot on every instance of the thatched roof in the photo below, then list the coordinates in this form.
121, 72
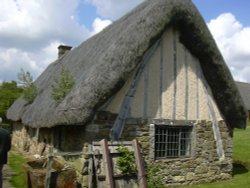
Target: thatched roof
244, 89
101, 64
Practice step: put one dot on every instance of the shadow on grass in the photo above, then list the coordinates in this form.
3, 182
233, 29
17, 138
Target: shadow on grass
239, 168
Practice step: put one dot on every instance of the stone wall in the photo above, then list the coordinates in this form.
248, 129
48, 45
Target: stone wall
27, 139
203, 166
19, 136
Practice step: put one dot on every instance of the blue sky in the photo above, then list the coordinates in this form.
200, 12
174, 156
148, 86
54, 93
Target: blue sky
87, 14
30, 31
210, 9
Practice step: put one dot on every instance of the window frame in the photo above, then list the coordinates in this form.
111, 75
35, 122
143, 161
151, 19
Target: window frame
170, 124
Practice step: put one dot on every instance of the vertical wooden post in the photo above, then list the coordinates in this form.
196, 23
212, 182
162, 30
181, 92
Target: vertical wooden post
107, 163
49, 166
90, 169
140, 165
37, 134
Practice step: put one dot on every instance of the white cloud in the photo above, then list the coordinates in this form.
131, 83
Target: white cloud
99, 24
30, 32
39, 21
12, 60
233, 39
113, 9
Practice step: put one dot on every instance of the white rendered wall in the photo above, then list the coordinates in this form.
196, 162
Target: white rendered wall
172, 86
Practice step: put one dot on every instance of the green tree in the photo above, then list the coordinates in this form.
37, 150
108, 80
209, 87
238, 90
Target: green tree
9, 92
62, 86
29, 89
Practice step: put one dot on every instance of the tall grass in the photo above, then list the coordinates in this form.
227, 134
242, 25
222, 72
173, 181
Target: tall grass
16, 162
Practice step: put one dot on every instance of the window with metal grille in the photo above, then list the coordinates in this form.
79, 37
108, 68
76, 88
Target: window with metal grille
172, 142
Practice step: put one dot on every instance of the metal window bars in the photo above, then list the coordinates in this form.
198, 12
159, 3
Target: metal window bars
172, 142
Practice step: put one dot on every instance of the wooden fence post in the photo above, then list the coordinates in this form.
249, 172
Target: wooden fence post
49, 166
140, 165
91, 166
108, 164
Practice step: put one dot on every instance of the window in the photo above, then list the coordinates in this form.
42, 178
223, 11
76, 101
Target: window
172, 142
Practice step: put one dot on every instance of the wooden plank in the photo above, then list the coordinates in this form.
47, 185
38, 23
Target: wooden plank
140, 165
118, 126
107, 164
114, 143
37, 134
49, 167
90, 167
76, 153
90, 173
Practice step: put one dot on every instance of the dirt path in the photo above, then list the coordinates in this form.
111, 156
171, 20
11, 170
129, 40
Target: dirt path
7, 174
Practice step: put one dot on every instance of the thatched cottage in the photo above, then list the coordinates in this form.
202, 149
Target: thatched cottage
155, 74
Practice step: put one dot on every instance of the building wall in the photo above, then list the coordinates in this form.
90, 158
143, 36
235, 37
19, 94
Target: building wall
19, 136
172, 85
203, 166
27, 139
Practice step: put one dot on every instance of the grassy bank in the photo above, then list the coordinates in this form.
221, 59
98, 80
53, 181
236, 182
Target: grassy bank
16, 162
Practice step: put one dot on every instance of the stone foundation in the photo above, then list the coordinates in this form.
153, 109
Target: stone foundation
203, 166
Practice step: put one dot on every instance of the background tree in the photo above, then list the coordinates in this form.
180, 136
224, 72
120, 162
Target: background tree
9, 92
26, 82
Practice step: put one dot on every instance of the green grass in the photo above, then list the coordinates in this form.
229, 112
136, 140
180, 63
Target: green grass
241, 156
16, 162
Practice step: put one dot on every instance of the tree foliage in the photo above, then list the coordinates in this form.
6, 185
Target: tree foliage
62, 85
26, 82
9, 92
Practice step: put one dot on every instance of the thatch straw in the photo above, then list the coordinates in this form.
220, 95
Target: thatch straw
101, 64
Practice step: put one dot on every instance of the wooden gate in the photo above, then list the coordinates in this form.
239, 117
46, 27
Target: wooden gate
102, 166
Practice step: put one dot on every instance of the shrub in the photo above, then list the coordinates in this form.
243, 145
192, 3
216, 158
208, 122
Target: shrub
153, 179
62, 86
126, 162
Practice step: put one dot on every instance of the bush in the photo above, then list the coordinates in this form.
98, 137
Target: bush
30, 93
126, 162
62, 86
153, 179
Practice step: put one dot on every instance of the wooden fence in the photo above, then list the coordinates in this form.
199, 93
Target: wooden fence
102, 166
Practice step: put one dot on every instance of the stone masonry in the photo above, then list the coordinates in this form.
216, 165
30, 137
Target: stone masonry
203, 166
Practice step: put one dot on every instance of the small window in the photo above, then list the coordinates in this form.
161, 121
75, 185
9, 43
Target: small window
172, 142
